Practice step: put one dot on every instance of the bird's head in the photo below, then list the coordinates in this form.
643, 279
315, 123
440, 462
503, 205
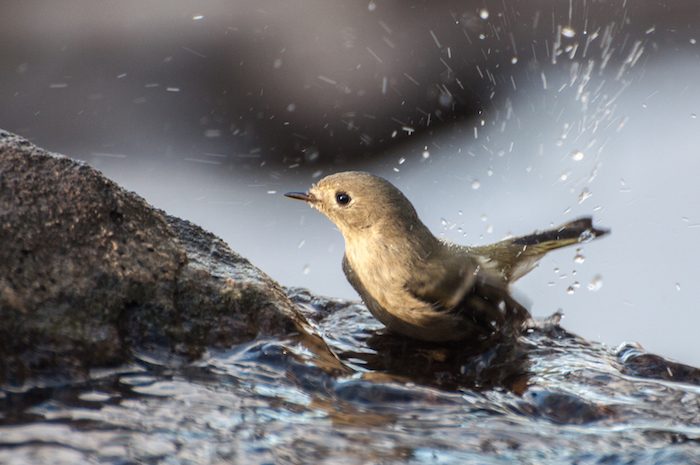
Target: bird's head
356, 201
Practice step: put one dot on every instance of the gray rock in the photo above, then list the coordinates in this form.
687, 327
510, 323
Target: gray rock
89, 272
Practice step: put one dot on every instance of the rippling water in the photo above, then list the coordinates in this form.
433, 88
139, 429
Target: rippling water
554, 398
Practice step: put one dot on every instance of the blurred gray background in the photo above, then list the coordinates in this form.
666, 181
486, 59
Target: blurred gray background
493, 117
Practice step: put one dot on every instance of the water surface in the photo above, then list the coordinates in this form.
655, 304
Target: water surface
551, 398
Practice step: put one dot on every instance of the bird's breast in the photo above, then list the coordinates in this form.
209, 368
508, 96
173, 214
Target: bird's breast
383, 268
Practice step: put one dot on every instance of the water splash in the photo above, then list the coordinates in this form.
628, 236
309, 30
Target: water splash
596, 283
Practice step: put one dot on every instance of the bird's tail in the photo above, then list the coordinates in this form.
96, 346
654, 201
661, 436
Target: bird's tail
514, 257
573, 232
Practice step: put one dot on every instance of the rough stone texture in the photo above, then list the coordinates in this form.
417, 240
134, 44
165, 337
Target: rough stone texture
89, 271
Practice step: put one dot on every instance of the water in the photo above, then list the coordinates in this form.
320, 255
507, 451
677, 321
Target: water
553, 398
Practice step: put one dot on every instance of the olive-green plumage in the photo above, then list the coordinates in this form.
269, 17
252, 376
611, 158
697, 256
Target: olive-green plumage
419, 285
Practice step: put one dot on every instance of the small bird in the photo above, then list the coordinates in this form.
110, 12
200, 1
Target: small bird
418, 285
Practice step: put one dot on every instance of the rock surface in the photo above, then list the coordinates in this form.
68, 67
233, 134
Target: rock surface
89, 272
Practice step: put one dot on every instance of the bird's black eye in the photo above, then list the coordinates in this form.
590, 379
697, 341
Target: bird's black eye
342, 198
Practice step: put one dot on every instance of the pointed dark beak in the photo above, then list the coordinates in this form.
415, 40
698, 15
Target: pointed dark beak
305, 196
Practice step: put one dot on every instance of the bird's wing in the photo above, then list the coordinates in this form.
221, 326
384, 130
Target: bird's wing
456, 285
443, 281
489, 306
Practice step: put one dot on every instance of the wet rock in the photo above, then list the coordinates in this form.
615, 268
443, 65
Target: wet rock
89, 271
636, 362
564, 408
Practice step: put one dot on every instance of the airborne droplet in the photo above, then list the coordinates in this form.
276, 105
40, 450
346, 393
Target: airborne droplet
577, 155
568, 32
596, 283
584, 195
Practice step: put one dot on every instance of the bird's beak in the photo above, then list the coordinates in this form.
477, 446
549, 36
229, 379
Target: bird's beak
305, 196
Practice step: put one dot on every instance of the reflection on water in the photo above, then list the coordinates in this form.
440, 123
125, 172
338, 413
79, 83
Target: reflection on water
553, 398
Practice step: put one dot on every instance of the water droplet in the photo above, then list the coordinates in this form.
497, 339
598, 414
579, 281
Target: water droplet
271, 192
460, 212
291, 107
596, 283
570, 290
584, 195
306, 269
197, 17
556, 270
564, 176
484, 13
577, 155
623, 186
489, 229
277, 64
371, 6
644, 105
678, 286
443, 222
551, 283
693, 41
489, 172
693, 115
514, 60
484, 217
445, 100
568, 32
402, 160
482, 36
426, 154
579, 258
476, 184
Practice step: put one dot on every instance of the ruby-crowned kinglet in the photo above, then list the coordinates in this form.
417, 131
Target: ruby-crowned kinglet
418, 285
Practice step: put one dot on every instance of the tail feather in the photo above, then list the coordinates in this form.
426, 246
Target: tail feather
580, 230
513, 258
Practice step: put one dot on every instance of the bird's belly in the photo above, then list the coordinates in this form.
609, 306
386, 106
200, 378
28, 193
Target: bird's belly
389, 302
425, 323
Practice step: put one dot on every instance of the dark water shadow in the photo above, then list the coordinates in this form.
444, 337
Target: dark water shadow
456, 366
